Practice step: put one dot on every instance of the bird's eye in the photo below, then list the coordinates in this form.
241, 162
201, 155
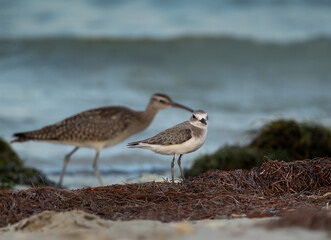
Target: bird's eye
162, 101
194, 117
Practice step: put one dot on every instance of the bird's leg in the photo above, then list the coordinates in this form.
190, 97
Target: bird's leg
172, 168
65, 163
180, 167
95, 168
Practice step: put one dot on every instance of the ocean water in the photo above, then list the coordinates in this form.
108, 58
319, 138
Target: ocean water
244, 62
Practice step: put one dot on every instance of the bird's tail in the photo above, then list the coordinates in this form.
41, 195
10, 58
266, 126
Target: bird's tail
133, 144
20, 137
43, 134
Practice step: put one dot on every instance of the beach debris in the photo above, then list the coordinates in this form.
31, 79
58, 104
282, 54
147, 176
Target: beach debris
270, 190
184, 228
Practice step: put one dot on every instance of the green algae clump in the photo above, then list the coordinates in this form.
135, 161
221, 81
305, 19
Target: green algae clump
13, 171
227, 158
294, 140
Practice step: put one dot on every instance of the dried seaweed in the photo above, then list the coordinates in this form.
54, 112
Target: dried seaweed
269, 190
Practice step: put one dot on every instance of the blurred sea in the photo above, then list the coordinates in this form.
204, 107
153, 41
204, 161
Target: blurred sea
244, 62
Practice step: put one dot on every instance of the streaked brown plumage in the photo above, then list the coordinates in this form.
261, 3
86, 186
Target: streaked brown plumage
99, 128
94, 125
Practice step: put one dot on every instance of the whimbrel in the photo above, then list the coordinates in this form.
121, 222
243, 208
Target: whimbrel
99, 128
183, 138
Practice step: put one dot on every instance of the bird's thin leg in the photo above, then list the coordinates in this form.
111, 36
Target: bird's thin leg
65, 163
180, 167
95, 167
172, 168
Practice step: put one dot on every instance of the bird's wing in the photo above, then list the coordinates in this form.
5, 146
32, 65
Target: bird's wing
94, 125
171, 136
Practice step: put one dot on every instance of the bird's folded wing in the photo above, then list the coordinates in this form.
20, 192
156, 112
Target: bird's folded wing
94, 125
171, 136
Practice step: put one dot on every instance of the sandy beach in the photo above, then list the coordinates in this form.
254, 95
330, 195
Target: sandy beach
80, 225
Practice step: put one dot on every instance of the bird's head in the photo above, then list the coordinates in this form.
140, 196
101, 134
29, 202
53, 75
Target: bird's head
199, 119
161, 101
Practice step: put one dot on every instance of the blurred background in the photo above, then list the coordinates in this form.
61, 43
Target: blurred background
243, 62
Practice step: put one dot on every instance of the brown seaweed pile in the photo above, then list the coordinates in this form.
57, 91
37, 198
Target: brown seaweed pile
270, 190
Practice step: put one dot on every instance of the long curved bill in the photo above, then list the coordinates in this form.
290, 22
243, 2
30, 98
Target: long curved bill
177, 105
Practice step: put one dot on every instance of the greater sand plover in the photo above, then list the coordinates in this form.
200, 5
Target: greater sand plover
183, 138
99, 128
